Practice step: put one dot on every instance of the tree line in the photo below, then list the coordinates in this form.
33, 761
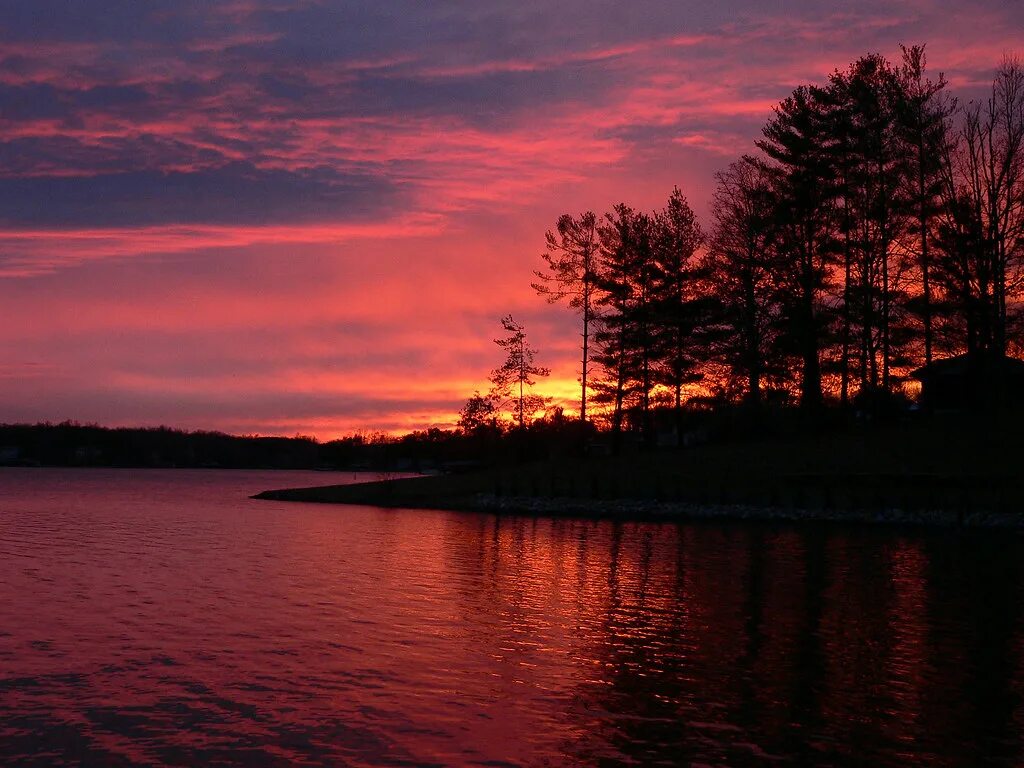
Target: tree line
70, 444
877, 226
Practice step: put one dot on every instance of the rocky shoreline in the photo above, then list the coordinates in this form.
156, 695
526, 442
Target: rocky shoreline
680, 511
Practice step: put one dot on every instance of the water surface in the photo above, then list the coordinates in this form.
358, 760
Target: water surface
160, 617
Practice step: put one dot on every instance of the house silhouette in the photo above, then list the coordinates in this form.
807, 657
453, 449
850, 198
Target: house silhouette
970, 381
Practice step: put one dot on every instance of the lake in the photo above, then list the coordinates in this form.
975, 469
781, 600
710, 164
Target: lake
160, 617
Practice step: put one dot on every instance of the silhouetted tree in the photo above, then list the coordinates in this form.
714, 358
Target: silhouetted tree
613, 386
795, 141
627, 339
870, 164
924, 115
982, 231
868, 235
572, 269
739, 273
512, 380
478, 413
678, 307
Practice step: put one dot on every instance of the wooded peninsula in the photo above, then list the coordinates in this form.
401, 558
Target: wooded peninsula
843, 343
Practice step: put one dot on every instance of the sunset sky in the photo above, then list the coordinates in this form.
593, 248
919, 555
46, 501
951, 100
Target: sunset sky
308, 217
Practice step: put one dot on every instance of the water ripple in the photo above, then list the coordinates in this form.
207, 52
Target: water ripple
162, 618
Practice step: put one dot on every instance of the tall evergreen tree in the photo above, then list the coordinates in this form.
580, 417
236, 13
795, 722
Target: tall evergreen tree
627, 337
872, 164
572, 259
924, 115
738, 272
678, 307
795, 141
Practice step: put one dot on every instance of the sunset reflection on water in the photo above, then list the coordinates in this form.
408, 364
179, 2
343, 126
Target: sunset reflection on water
161, 617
